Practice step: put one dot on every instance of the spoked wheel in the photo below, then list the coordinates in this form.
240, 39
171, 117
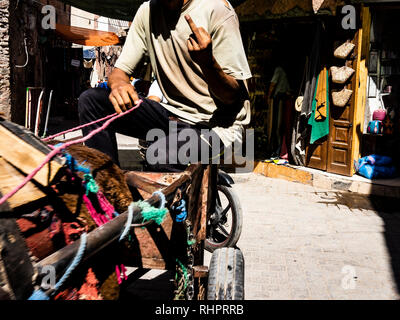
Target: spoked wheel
225, 224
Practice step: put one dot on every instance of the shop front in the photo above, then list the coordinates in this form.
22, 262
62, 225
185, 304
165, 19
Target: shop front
383, 85
335, 76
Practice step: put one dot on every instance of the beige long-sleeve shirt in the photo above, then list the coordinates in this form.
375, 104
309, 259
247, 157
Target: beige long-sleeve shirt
154, 32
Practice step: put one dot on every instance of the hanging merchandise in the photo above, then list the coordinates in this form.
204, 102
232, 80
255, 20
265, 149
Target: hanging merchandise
88, 64
341, 74
319, 120
312, 72
321, 98
379, 114
300, 98
342, 97
299, 103
343, 51
375, 127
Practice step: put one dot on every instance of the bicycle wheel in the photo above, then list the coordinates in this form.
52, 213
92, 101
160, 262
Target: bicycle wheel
225, 224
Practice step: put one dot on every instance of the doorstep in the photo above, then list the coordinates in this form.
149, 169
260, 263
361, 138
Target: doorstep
329, 181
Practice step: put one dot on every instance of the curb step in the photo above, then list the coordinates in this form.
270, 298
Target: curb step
319, 179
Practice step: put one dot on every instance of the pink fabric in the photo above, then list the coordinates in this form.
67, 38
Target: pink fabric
118, 272
98, 218
105, 205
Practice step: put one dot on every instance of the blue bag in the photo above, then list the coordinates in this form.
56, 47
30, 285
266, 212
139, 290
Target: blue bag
375, 127
376, 167
378, 160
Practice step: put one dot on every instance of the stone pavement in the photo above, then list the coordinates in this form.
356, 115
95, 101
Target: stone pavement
300, 242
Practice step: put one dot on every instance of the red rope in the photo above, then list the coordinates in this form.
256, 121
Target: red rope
58, 149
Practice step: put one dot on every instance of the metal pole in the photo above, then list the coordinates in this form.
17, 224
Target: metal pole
48, 113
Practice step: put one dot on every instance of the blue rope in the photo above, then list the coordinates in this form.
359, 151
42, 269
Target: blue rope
128, 222
74, 262
73, 164
180, 217
41, 295
162, 198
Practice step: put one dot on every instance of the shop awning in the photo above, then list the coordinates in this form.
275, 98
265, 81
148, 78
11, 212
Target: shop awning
273, 9
86, 37
116, 9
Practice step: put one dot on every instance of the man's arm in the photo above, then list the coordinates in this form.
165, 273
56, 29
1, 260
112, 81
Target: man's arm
224, 87
123, 94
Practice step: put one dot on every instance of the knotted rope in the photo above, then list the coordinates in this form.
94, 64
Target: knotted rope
148, 213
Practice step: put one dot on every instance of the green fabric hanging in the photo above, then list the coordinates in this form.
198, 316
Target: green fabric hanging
319, 129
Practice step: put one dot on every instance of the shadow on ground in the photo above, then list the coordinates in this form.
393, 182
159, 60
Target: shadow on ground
137, 287
388, 209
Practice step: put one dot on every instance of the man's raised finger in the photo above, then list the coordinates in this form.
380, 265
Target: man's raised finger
192, 25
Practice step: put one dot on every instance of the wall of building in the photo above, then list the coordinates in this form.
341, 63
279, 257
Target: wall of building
27, 47
5, 92
83, 19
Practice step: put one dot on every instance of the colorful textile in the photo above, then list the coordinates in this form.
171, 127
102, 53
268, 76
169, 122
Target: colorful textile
319, 120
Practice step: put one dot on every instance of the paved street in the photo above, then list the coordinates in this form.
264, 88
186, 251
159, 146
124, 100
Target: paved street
300, 242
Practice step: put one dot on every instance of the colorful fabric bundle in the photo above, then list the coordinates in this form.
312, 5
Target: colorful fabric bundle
376, 167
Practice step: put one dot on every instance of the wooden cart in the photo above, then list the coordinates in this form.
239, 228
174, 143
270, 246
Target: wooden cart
157, 247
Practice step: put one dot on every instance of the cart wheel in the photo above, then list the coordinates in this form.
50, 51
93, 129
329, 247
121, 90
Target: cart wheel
225, 224
226, 275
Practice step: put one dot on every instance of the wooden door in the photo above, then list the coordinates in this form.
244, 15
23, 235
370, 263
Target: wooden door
336, 153
340, 152
317, 154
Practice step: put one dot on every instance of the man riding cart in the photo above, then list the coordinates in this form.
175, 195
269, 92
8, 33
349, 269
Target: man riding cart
198, 59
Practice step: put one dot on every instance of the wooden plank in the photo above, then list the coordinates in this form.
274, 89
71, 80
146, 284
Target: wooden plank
154, 245
142, 183
108, 233
10, 178
26, 157
200, 223
27, 136
362, 80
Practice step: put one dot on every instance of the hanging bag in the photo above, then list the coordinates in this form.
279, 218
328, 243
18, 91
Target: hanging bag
375, 127
343, 51
298, 105
342, 97
341, 74
379, 114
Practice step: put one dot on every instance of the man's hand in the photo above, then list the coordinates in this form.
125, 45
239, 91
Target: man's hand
123, 95
199, 44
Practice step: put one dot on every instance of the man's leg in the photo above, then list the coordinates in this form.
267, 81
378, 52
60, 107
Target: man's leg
184, 145
94, 104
